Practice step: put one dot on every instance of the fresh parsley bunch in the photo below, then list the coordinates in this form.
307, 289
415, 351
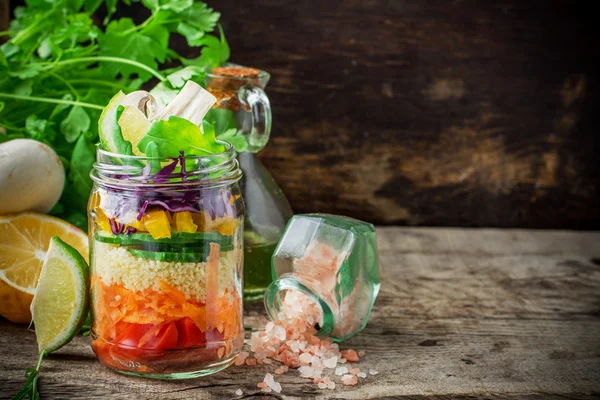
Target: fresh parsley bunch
61, 65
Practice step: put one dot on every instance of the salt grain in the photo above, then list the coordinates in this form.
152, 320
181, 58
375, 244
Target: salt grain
373, 372
322, 385
238, 392
361, 353
361, 375
331, 385
349, 380
354, 371
330, 362
306, 371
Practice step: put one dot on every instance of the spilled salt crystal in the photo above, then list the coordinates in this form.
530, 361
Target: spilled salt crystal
306, 371
349, 380
251, 362
338, 371
361, 353
342, 360
238, 392
261, 385
280, 332
305, 358
373, 372
270, 381
354, 371
331, 385
322, 385
330, 362
267, 360
266, 390
361, 375
350, 355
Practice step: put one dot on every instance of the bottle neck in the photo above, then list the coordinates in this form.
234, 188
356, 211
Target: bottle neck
277, 290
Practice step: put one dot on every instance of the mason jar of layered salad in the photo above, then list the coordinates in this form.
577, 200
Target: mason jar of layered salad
166, 259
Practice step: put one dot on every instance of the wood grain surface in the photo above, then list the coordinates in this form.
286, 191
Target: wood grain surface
462, 313
463, 113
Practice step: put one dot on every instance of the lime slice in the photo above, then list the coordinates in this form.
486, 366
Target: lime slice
60, 303
134, 126
109, 130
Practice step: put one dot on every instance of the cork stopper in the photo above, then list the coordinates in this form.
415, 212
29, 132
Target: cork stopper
224, 83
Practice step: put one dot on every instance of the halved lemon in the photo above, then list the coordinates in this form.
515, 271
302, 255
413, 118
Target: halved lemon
24, 241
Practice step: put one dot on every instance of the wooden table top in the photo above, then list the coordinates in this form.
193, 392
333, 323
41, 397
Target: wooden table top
461, 313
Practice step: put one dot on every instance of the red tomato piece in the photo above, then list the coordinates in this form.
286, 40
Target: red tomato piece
189, 334
132, 334
167, 338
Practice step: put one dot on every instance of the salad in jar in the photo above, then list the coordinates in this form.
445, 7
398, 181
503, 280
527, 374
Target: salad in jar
165, 229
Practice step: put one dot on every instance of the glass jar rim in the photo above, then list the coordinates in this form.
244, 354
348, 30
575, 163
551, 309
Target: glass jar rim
123, 171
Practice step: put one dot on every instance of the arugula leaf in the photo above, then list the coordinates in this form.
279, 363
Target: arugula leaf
178, 134
151, 151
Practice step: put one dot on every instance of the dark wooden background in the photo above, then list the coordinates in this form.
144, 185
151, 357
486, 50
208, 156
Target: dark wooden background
464, 113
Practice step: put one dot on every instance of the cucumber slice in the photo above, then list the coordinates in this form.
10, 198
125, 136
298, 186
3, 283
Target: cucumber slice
169, 256
180, 238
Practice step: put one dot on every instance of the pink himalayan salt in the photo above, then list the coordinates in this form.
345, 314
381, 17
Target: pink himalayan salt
299, 348
349, 380
373, 372
361, 354
322, 385
270, 381
354, 371
266, 390
261, 385
239, 392
350, 355
362, 374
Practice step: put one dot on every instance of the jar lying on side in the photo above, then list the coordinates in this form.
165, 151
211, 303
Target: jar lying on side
166, 261
325, 269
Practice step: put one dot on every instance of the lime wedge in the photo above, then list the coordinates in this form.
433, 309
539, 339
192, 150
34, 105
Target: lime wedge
109, 131
60, 303
134, 126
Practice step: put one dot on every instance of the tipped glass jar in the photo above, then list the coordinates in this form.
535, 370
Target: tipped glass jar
166, 261
329, 261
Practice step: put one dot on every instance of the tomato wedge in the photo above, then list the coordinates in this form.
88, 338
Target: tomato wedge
189, 334
148, 336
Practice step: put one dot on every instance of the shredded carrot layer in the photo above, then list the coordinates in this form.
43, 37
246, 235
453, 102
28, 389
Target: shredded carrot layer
115, 305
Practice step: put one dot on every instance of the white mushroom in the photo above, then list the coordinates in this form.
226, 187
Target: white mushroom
191, 103
143, 101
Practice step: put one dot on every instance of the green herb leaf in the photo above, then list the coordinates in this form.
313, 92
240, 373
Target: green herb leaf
124, 41
84, 156
152, 153
178, 134
77, 122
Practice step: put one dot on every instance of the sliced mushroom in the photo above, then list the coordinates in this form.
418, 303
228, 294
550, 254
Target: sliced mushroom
143, 101
191, 103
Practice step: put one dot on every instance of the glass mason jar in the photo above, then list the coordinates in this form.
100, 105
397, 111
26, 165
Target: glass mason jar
166, 257
244, 110
329, 261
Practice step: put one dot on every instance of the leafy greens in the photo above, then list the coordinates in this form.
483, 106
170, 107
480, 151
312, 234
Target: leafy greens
60, 66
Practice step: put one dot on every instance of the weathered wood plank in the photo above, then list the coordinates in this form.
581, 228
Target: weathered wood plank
463, 113
462, 313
